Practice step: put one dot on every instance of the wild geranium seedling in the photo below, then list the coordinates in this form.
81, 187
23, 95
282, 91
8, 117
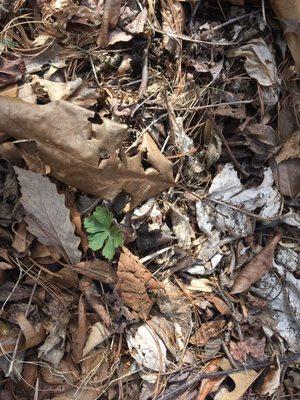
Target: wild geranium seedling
103, 233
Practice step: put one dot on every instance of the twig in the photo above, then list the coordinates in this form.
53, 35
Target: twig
208, 375
232, 21
197, 108
145, 74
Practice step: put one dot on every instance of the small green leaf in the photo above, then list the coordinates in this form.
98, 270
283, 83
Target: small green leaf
103, 234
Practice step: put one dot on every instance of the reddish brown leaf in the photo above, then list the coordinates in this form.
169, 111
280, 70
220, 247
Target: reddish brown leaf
134, 283
207, 331
252, 346
256, 268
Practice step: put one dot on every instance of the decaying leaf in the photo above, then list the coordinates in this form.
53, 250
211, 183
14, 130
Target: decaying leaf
210, 385
147, 348
289, 10
90, 150
260, 63
207, 331
256, 268
134, 283
47, 216
182, 228
262, 141
271, 381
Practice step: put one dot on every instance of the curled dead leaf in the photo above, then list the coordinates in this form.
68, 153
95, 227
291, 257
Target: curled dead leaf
256, 268
98, 270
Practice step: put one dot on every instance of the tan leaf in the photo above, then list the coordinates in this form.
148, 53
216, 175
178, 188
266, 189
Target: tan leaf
98, 270
289, 10
47, 216
134, 282
32, 337
211, 384
271, 382
89, 151
57, 90
207, 331
96, 336
243, 380
256, 268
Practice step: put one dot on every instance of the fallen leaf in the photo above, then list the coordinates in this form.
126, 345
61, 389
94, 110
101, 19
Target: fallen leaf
97, 335
242, 380
252, 346
173, 21
256, 268
182, 228
89, 151
10, 209
47, 216
79, 335
207, 331
11, 68
260, 63
167, 333
86, 286
22, 239
262, 141
134, 282
271, 381
289, 11
211, 384
98, 270
57, 90
147, 348
286, 167
109, 19
32, 337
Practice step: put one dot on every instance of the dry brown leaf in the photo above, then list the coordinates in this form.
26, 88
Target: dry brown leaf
243, 380
98, 270
79, 336
207, 331
256, 268
47, 216
32, 337
97, 335
252, 346
262, 141
134, 282
286, 167
271, 381
210, 385
289, 10
22, 239
87, 289
89, 151
57, 90
109, 19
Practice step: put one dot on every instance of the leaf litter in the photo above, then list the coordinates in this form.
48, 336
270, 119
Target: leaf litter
149, 199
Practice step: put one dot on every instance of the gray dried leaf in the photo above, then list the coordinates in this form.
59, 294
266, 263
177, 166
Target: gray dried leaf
47, 216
